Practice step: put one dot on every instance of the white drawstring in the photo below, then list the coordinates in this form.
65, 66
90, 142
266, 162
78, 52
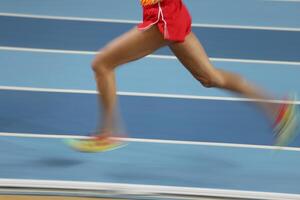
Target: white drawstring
166, 32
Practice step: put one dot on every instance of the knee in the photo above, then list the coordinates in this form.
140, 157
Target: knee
212, 81
101, 65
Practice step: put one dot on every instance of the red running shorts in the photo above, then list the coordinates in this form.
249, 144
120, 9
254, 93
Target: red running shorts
171, 17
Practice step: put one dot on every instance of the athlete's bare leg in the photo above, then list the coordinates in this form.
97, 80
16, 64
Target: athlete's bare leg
130, 46
194, 58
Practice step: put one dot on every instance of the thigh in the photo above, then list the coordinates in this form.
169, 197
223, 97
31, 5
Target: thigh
193, 56
131, 46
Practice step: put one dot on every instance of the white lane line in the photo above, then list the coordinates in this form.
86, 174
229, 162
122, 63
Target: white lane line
142, 140
140, 94
38, 50
33, 16
140, 189
52, 90
135, 22
169, 57
285, 1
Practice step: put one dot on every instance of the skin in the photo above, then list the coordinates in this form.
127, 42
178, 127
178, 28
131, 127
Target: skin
191, 54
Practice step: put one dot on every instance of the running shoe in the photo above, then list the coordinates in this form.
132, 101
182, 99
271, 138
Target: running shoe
95, 144
286, 124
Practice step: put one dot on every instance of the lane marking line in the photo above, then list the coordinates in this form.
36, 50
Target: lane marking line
139, 94
158, 141
168, 57
285, 1
140, 189
4, 14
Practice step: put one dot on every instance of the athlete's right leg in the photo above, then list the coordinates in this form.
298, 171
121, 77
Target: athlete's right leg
193, 56
130, 46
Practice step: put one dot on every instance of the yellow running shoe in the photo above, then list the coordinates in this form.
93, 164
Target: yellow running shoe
95, 144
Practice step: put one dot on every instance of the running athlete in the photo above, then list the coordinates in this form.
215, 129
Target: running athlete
168, 23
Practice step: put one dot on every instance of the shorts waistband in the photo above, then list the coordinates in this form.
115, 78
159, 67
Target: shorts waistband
162, 3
